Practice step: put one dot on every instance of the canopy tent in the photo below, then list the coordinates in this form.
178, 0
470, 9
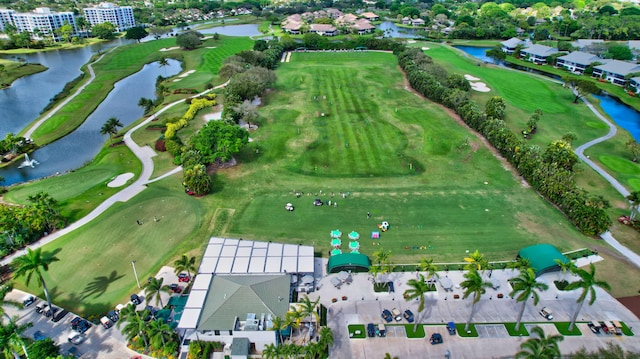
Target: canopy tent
354, 262
354, 235
354, 245
336, 242
543, 258
335, 251
336, 233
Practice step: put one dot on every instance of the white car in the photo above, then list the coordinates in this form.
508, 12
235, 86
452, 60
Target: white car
76, 338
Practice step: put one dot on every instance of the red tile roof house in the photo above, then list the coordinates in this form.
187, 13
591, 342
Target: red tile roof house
363, 26
538, 54
370, 16
577, 61
323, 29
615, 71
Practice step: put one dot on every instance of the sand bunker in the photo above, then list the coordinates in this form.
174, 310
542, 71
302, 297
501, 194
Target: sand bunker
176, 80
411, 42
211, 47
471, 78
425, 48
120, 180
187, 73
169, 48
480, 87
212, 116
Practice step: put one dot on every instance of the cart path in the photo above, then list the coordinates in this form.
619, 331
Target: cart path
145, 154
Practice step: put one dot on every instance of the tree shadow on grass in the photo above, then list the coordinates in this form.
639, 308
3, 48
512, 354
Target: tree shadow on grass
99, 285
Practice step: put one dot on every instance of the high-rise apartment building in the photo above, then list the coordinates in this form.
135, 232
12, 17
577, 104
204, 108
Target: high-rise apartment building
120, 16
41, 23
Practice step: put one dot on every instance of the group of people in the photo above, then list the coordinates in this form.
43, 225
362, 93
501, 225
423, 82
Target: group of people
299, 194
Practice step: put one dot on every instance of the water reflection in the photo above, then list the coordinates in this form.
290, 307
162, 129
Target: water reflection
81, 146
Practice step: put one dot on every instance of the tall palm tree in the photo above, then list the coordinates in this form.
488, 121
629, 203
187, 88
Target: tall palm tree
476, 260
159, 333
426, 265
136, 326
476, 285
326, 337
163, 62
525, 286
185, 263
542, 347
588, 284
567, 266
381, 259
34, 262
4, 290
279, 324
11, 337
520, 263
634, 203
111, 127
388, 356
417, 289
309, 307
154, 289
294, 318
270, 351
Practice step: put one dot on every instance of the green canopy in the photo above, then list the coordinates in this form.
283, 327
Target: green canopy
543, 258
355, 262
178, 301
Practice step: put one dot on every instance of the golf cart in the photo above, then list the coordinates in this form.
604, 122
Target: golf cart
546, 313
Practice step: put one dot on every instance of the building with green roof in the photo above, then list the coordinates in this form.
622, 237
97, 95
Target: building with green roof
543, 258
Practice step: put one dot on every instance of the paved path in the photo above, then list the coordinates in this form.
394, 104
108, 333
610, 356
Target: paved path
92, 76
145, 155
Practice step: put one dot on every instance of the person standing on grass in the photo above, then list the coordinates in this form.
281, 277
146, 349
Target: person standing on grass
368, 215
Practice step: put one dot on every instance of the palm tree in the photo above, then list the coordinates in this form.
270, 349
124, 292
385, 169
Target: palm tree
294, 318
309, 307
566, 267
634, 202
542, 347
426, 265
279, 324
326, 337
154, 288
185, 263
525, 286
4, 290
163, 62
476, 260
11, 338
136, 326
473, 284
520, 263
417, 289
381, 259
588, 284
111, 127
270, 351
388, 356
159, 333
34, 262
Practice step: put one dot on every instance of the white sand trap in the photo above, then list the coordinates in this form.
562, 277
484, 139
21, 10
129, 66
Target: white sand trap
169, 48
471, 78
176, 80
212, 116
207, 37
425, 48
211, 47
120, 180
411, 42
480, 87
250, 139
187, 73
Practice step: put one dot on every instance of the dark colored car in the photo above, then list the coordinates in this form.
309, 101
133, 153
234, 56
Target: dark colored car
135, 299
38, 335
113, 316
61, 314
451, 327
371, 330
595, 327
392, 289
183, 277
436, 338
50, 312
174, 288
81, 326
408, 315
73, 352
386, 315
28, 300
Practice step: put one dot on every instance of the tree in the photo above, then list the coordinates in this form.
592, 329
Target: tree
105, 31
247, 110
11, 337
495, 108
136, 326
326, 336
111, 127
4, 290
634, 148
163, 62
45, 348
219, 141
540, 347
426, 265
612, 351
197, 179
580, 87
473, 284
622, 53
185, 263
154, 289
189, 40
159, 333
634, 202
45, 210
476, 261
271, 351
279, 323
526, 286
136, 33
588, 284
310, 308
417, 289
496, 54
65, 31
34, 263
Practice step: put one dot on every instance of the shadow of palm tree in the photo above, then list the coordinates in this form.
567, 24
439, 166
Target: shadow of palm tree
99, 285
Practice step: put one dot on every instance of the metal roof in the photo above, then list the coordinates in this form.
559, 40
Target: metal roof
579, 57
543, 257
619, 67
540, 50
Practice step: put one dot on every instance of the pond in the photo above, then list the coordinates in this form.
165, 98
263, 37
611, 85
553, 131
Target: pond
81, 146
624, 116
392, 30
233, 30
479, 53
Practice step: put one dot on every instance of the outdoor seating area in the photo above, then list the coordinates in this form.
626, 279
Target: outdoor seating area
341, 278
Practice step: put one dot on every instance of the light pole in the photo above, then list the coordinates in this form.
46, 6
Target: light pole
133, 264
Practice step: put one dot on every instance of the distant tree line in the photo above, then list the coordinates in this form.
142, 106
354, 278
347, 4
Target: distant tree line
549, 171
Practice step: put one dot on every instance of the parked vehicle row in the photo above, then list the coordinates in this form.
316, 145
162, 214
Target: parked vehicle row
388, 316
606, 327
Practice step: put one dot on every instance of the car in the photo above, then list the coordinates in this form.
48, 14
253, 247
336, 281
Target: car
408, 315
451, 327
106, 322
113, 316
81, 326
594, 326
371, 330
174, 288
396, 314
38, 335
436, 338
61, 314
386, 315
546, 313
184, 277
382, 330
151, 313
28, 300
75, 321
73, 352
135, 299
392, 289
50, 312
40, 307
76, 338
604, 328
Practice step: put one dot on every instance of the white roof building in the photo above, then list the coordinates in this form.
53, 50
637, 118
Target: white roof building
120, 16
41, 23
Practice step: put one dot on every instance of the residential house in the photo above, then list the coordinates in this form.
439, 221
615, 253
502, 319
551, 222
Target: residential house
584, 44
634, 84
417, 22
577, 61
370, 16
292, 24
363, 26
509, 46
240, 287
346, 20
615, 71
538, 54
323, 29
406, 20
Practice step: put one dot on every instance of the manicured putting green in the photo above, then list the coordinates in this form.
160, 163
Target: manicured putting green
357, 331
